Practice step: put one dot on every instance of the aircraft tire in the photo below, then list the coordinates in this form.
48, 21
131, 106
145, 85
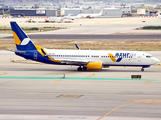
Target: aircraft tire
79, 69
84, 68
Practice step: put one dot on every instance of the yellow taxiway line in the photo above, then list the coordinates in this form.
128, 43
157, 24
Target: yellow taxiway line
57, 80
114, 110
3, 74
91, 75
147, 82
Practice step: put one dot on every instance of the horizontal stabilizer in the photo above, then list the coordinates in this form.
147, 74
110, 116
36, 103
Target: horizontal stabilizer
16, 51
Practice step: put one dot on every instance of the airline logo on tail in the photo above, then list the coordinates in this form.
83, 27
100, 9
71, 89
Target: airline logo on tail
25, 41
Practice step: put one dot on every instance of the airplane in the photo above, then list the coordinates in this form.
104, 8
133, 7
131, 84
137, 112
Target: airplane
66, 17
159, 15
91, 15
56, 18
73, 17
84, 59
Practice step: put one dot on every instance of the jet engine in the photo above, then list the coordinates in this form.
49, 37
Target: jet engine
94, 66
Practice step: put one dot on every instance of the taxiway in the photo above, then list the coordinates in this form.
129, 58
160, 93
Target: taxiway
39, 91
89, 37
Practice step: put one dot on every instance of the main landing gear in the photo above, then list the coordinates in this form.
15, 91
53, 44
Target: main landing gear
84, 68
80, 68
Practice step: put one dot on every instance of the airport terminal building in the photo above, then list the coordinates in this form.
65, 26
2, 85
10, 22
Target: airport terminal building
33, 12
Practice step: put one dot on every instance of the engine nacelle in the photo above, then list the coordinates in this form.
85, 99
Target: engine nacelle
94, 66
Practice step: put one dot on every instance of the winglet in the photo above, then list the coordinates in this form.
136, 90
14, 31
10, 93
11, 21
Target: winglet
77, 47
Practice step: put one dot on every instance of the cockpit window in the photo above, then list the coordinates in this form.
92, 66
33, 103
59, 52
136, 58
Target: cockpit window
148, 56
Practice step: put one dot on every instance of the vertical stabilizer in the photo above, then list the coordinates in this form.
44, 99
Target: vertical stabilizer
101, 13
22, 41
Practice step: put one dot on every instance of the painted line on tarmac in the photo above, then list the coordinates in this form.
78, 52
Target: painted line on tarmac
91, 75
66, 117
5, 35
57, 80
147, 101
3, 74
147, 82
74, 78
114, 110
11, 59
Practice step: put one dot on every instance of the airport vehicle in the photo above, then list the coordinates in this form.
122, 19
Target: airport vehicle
85, 59
91, 15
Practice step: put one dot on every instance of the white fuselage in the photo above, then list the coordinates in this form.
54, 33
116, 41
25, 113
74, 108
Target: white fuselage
110, 58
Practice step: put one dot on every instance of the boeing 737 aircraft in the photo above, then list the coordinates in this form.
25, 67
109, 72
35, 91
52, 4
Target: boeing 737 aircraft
85, 59
91, 15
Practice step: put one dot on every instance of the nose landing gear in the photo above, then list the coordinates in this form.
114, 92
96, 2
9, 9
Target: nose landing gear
142, 69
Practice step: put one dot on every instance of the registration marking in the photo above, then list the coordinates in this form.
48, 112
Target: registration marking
69, 96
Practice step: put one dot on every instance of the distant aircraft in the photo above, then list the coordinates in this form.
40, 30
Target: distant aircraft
66, 17
159, 15
85, 59
73, 17
91, 15
56, 18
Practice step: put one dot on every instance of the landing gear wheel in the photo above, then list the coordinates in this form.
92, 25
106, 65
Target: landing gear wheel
79, 69
142, 69
84, 68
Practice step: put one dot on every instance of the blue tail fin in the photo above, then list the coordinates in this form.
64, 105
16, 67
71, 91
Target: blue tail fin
22, 41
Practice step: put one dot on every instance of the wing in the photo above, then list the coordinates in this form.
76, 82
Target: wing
75, 62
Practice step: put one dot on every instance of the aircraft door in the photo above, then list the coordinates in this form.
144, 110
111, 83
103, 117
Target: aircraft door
35, 55
139, 58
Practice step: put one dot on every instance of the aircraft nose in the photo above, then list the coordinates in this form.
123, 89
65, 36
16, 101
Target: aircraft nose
156, 60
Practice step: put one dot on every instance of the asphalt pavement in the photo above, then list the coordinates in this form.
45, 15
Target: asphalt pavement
90, 37
39, 91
